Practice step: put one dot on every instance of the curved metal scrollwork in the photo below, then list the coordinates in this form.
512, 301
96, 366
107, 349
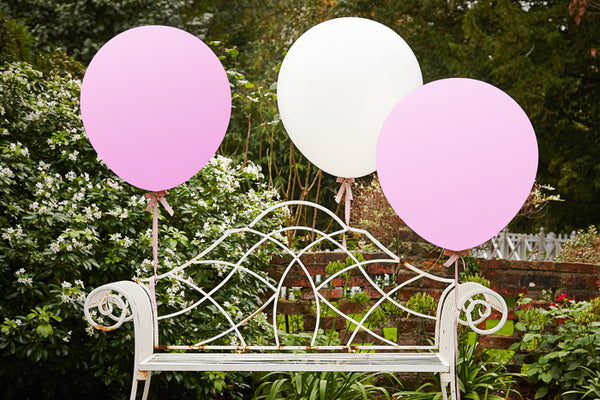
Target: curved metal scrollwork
108, 302
482, 301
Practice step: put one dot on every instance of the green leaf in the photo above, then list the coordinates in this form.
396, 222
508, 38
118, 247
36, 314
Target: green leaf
546, 377
323, 389
520, 326
298, 383
573, 365
556, 372
541, 392
44, 330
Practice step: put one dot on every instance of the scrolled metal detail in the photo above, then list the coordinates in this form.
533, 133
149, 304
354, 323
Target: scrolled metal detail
483, 307
107, 302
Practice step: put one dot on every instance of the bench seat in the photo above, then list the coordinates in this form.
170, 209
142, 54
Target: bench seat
345, 362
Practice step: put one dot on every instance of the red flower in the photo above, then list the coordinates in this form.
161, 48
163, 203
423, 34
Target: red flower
554, 304
562, 297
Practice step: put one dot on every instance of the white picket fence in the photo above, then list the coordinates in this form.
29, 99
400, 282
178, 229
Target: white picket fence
520, 246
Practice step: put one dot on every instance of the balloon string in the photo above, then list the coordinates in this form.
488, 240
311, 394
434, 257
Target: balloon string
346, 187
454, 257
154, 199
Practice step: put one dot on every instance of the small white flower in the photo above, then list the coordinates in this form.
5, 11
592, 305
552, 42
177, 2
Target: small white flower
6, 173
55, 247
89, 330
114, 236
18, 233
25, 281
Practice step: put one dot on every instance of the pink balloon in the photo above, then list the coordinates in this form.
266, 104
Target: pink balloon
155, 104
457, 159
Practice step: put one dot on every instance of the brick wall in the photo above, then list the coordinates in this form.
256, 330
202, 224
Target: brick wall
508, 278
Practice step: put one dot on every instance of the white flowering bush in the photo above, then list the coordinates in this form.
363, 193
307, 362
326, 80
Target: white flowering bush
68, 225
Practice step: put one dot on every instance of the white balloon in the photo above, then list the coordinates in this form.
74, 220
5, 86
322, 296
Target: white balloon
336, 86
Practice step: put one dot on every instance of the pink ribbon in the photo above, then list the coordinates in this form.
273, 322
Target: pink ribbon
154, 199
346, 188
454, 257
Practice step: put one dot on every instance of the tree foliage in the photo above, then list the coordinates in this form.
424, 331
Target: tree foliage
537, 53
68, 224
542, 53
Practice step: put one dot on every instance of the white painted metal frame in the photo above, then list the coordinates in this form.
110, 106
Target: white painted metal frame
124, 301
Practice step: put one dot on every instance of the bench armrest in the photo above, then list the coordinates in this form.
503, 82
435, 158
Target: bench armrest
475, 298
120, 302
472, 298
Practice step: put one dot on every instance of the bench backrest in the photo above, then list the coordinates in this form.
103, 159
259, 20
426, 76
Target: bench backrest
238, 269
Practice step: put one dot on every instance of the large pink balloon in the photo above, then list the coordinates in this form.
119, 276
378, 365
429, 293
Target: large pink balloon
155, 103
457, 159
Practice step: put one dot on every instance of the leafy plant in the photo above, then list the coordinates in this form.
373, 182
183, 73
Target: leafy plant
560, 351
68, 224
422, 303
478, 377
584, 247
472, 267
590, 388
319, 386
475, 278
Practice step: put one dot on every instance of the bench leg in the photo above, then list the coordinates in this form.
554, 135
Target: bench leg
445, 380
453, 389
134, 387
444, 387
147, 386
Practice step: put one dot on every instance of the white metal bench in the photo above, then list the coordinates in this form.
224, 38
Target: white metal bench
127, 300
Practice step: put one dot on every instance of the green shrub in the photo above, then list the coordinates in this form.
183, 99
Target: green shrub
323, 385
584, 248
68, 224
560, 352
590, 389
421, 302
478, 377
